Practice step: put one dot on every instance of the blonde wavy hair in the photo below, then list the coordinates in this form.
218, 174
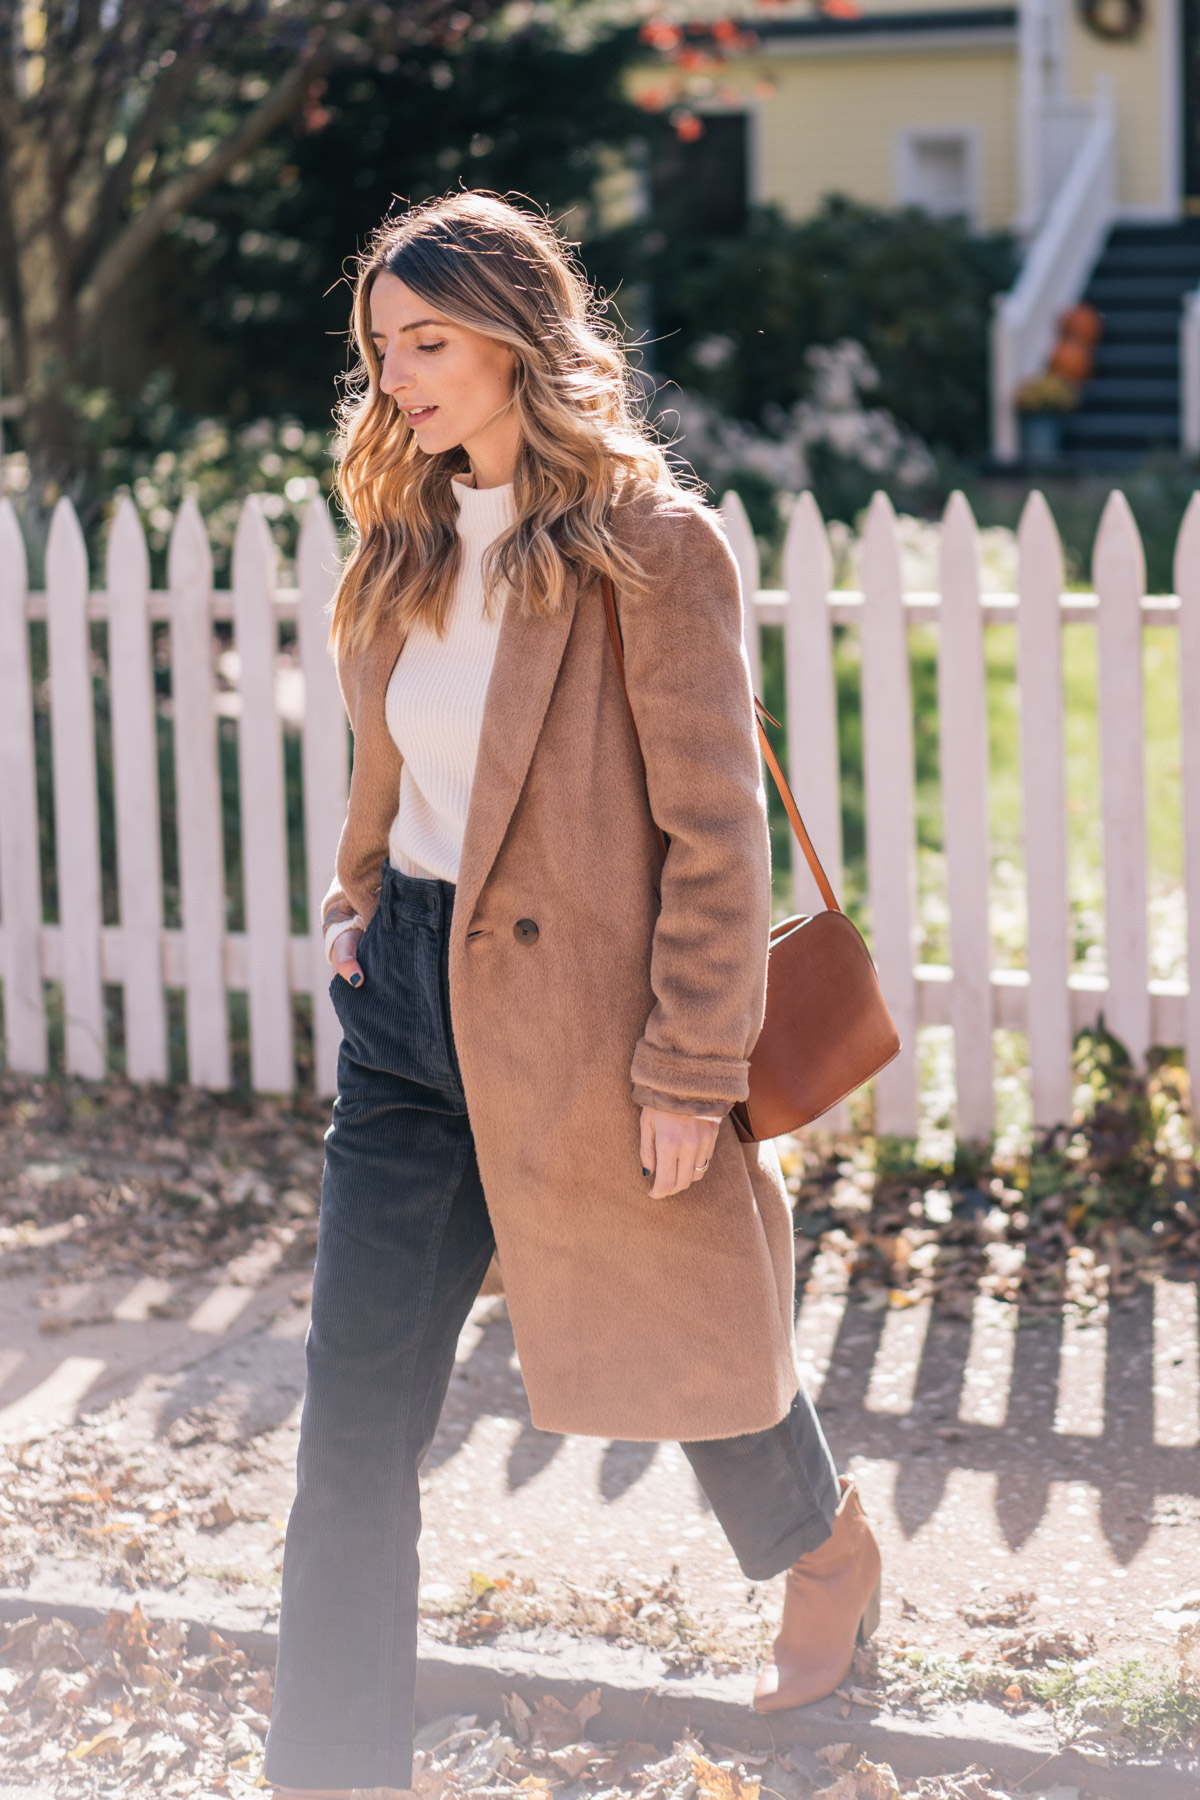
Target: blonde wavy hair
503, 271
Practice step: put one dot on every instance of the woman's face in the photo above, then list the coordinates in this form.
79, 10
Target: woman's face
453, 384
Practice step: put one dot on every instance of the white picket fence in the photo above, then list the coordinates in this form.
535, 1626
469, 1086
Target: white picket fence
1048, 999
265, 961
270, 964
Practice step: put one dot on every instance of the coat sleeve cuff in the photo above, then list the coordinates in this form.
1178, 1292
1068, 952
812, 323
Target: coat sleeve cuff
700, 1080
644, 1096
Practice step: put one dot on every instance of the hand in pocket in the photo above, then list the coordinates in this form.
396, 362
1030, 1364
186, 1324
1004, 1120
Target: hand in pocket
344, 957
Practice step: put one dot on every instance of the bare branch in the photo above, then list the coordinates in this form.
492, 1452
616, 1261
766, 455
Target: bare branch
10, 289
135, 239
87, 20
80, 76
164, 97
9, 61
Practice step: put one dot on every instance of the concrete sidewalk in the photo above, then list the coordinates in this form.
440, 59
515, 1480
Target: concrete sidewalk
1042, 1479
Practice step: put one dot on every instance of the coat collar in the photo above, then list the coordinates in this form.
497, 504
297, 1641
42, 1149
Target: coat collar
529, 651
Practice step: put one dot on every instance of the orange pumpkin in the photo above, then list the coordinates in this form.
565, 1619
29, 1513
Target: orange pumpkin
1071, 359
1082, 324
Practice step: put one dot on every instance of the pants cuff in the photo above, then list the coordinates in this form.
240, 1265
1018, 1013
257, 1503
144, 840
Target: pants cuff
289, 1764
788, 1550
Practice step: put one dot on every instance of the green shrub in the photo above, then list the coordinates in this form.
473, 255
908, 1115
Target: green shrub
735, 317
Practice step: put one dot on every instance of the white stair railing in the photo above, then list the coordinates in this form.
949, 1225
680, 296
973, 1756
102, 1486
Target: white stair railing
1064, 125
1060, 259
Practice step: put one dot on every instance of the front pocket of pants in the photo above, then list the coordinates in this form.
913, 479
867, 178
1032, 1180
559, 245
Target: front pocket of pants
393, 1022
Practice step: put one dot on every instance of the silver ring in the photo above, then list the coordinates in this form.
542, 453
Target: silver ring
700, 1167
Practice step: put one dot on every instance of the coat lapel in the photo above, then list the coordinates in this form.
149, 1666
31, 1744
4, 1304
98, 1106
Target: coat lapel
528, 654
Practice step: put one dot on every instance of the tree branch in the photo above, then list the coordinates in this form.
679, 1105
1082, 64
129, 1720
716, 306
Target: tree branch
136, 238
91, 77
87, 20
8, 60
165, 96
10, 290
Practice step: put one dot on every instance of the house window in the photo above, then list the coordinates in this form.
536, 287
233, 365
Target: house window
938, 170
699, 187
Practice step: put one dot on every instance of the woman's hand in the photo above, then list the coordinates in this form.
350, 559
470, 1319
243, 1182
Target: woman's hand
676, 1149
344, 957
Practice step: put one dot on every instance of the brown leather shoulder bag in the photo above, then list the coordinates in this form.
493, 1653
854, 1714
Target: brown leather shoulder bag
826, 1029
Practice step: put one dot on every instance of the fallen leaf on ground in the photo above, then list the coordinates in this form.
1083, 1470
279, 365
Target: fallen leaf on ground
844, 1788
573, 1759
1008, 1611
554, 1726
105, 1743
722, 1784
876, 1781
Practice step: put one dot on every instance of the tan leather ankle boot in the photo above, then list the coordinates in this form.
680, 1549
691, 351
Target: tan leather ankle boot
831, 1603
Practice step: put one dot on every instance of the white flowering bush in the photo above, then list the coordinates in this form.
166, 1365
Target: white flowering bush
920, 551
836, 417
832, 424
217, 464
160, 455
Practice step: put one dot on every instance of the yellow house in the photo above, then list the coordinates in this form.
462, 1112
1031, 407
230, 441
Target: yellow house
1075, 123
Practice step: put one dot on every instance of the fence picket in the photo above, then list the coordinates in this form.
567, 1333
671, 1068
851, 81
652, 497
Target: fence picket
1187, 586
198, 801
1044, 799
962, 724
20, 882
326, 767
264, 818
891, 833
811, 698
745, 553
1119, 572
811, 717
135, 792
76, 814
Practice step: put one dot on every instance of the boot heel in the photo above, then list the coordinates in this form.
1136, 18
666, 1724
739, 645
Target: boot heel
869, 1623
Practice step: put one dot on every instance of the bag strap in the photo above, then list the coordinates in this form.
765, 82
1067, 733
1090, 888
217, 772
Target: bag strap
772, 761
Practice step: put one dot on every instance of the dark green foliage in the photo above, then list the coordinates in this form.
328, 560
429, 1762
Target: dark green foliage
39, 670
843, 486
1128, 1155
1119, 1176
253, 307
914, 290
1158, 491
1147, 1701
105, 794
784, 849
231, 824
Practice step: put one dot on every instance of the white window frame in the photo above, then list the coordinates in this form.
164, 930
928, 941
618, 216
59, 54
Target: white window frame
906, 143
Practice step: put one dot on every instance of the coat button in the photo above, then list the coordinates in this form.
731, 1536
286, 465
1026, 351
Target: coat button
525, 931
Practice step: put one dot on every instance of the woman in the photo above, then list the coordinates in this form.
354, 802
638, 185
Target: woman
545, 1023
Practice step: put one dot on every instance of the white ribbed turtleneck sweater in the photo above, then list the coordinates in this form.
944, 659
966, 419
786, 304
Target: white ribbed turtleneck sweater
435, 697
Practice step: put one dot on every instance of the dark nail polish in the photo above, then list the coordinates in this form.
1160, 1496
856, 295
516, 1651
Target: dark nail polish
356, 980
645, 1171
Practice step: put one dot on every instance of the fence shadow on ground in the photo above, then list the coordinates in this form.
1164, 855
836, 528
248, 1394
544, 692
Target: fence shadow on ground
1030, 1403
1101, 1422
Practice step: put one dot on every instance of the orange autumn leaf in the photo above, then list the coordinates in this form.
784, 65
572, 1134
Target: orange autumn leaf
722, 1784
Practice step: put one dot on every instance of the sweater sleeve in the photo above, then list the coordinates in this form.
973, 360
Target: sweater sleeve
688, 678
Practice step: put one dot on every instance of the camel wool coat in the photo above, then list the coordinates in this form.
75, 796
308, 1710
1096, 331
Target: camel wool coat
644, 984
